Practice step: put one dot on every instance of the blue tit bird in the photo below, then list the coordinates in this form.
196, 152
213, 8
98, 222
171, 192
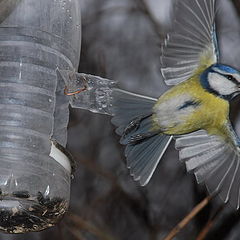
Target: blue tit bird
194, 112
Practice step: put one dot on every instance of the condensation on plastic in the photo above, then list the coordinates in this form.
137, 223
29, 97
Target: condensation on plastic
36, 38
89, 92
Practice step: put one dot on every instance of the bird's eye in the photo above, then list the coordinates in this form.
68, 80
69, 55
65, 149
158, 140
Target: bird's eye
230, 77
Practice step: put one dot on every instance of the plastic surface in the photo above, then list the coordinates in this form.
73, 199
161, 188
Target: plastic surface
89, 92
36, 37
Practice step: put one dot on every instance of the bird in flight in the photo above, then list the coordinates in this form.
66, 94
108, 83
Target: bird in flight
194, 112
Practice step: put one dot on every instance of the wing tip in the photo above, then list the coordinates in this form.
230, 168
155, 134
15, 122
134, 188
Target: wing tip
205, 36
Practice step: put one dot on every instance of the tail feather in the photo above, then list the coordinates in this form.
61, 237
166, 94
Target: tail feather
142, 156
127, 106
144, 127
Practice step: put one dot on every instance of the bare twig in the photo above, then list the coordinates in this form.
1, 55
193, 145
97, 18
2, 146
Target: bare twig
98, 170
209, 224
237, 6
76, 233
106, 11
77, 223
154, 22
188, 218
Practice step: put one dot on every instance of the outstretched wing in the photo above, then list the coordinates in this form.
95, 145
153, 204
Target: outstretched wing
215, 161
192, 44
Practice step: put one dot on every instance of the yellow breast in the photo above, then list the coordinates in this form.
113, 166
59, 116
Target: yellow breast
188, 107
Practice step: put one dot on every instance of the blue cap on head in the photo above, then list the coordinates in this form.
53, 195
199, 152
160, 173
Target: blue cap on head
225, 68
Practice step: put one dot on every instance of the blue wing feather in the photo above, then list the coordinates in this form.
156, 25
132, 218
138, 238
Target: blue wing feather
215, 161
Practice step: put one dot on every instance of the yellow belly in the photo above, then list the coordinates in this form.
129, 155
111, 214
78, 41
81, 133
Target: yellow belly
210, 112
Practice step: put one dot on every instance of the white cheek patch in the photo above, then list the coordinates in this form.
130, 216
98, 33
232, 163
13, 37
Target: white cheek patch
235, 75
221, 85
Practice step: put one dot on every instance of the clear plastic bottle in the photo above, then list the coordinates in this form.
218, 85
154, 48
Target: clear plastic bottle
36, 38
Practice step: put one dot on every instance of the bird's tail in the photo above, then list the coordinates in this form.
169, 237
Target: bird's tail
132, 115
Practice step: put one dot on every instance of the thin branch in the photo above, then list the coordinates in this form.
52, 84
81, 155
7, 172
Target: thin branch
106, 11
202, 235
76, 233
236, 3
154, 22
80, 224
188, 218
98, 170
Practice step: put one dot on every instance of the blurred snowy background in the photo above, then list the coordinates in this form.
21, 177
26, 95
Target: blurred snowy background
121, 41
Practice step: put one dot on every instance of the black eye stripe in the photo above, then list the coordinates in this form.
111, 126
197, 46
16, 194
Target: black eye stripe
228, 77
232, 79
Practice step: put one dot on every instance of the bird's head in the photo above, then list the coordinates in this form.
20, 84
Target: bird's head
221, 80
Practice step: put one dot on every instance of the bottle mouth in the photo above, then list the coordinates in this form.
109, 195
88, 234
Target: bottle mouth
21, 213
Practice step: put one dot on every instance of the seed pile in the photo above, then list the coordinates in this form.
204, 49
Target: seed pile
39, 212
